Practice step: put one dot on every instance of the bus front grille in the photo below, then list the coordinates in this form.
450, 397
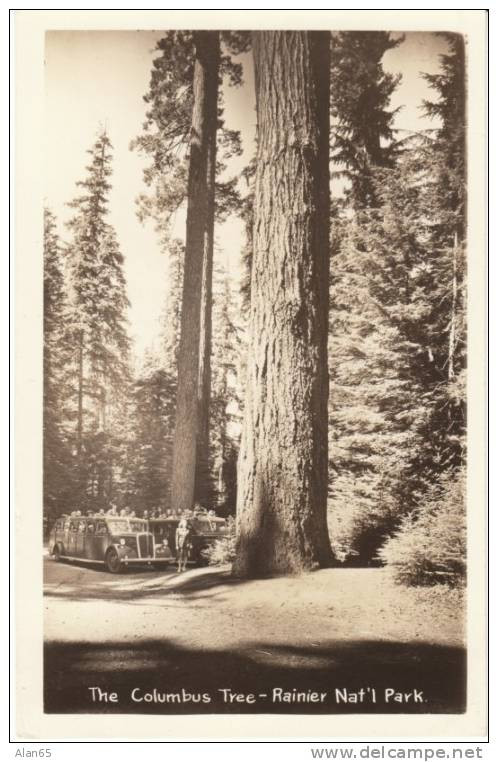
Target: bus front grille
145, 546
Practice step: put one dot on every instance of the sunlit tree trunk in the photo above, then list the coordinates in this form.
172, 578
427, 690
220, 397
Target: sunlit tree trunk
282, 480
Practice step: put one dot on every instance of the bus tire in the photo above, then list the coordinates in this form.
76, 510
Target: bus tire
112, 562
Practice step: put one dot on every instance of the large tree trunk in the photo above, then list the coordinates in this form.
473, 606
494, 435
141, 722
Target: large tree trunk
186, 430
282, 482
202, 482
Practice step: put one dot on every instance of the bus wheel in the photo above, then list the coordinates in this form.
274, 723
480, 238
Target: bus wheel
112, 561
56, 553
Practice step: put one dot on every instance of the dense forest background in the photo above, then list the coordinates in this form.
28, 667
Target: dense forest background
397, 318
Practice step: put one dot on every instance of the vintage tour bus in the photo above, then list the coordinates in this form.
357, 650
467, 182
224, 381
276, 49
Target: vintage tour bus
114, 541
205, 531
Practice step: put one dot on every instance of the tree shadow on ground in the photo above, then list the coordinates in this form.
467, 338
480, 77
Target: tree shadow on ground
128, 588
71, 669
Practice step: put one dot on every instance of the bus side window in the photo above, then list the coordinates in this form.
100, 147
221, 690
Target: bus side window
90, 528
101, 528
73, 526
81, 527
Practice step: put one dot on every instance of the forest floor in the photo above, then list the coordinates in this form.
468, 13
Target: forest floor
334, 628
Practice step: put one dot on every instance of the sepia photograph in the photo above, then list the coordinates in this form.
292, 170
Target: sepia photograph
255, 370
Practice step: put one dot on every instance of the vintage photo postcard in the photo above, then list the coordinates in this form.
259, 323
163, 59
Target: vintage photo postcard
250, 294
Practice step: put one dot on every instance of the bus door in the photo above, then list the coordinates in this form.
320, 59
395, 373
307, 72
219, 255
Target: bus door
97, 541
89, 538
72, 537
80, 540
171, 528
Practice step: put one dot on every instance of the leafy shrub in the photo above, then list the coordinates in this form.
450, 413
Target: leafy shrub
430, 545
222, 551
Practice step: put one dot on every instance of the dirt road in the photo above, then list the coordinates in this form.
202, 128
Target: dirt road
344, 629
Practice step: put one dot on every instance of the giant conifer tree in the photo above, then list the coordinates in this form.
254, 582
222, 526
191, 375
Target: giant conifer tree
282, 480
166, 139
199, 208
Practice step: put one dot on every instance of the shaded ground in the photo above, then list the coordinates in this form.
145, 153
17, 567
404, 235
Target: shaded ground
334, 630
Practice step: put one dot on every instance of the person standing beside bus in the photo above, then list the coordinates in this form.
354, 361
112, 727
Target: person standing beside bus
183, 537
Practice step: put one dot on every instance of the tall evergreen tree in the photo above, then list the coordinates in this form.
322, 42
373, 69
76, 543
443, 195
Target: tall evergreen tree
153, 399
367, 451
362, 124
397, 386
166, 140
151, 446
57, 460
97, 323
204, 116
446, 197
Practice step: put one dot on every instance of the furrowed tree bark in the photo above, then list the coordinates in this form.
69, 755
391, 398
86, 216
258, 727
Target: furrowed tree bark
187, 408
282, 481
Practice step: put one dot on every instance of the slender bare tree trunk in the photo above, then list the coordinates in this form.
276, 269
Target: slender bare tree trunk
282, 482
187, 407
79, 421
79, 429
454, 297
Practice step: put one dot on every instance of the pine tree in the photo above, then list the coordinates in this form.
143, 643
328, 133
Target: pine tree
57, 461
379, 348
150, 456
368, 446
398, 332
97, 324
446, 203
362, 124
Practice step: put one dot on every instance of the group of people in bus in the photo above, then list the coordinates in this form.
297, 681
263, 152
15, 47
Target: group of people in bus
154, 513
